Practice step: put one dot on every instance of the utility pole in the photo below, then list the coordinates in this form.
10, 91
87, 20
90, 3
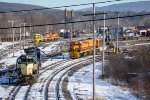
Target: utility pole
31, 34
20, 37
48, 29
12, 24
24, 35
93, 51
66, 14
72, 17
103, 55
117, 32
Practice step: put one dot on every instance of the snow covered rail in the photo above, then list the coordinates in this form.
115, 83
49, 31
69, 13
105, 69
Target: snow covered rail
60, 78
51, 89
52, 66
57, 88
14, 93
26, 93
44, 74
9, 49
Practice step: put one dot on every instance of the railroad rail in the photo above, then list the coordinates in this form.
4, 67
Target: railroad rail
43, 76
7, 50
23, 91
51, 88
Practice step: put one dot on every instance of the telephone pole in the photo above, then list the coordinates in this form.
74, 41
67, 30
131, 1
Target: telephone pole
24, 35
93, 51
103, 55
66, 14
117, 33
12, 24
20, 37
72, 17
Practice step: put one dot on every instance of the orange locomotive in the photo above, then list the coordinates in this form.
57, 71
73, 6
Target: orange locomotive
82, 47
51, 36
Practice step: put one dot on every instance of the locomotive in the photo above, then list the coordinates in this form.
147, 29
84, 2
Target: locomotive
83, 47
37, 38
27, 69
27, 66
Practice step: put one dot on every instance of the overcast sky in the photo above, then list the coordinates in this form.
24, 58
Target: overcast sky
56, 3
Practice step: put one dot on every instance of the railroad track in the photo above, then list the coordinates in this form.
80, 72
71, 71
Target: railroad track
9, 49
47, 75
51, 89
59, 94
23, 91
17, 93
42, 80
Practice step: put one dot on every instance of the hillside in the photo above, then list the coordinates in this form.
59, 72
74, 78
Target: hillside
42, 17
131, 6
4, 7
15, 6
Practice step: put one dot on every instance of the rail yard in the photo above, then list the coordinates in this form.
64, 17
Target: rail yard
63, 54
48, 84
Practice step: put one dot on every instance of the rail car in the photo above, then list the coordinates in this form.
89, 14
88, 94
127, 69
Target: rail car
83, 47
67, 35
27, 68
51, 36
25, 72
37, 38
8, 76
33, 51
28, 65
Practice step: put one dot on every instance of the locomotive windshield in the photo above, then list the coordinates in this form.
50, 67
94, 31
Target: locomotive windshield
24, 60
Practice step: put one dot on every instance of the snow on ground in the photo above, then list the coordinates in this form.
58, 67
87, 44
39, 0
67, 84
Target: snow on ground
143, 44
10, 60
22, 92
80, 86
5, 44
35, 91
5, 92
139, 44
53, 47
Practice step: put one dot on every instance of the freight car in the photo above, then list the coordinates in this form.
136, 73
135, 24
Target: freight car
83, 47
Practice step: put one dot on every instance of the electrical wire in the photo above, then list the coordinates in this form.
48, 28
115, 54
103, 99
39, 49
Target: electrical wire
15, 11
82, 21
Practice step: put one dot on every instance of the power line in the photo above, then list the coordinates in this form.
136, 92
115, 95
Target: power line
45, 8
130, 16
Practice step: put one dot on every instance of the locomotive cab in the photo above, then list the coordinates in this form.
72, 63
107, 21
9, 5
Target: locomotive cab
27, 66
